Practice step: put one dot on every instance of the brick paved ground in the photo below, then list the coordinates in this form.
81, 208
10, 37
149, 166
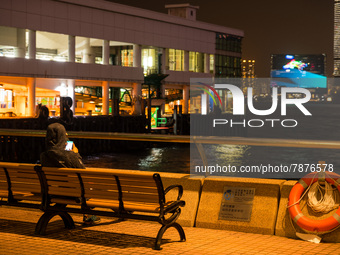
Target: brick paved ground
134, 237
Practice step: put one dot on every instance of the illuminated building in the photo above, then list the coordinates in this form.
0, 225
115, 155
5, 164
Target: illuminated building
336, 71
95, 50
248, 68
248, 73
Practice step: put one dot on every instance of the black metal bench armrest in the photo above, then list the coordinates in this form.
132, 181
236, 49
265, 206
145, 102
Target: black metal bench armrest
180, 190
174, 206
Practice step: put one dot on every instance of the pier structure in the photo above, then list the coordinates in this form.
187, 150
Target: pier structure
106, 56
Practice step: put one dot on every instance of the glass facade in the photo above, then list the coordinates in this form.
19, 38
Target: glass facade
12, 41
51, 46
196, 62
212, 63
228, 42
89, 50
149, 61
50, 102
176, 60
227, 66
6, 98
126, 57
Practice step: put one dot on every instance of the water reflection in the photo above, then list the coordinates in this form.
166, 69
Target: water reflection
183, 158
167, 158
243, 156
233, 154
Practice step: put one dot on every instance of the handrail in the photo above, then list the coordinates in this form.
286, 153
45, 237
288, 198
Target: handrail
272, 142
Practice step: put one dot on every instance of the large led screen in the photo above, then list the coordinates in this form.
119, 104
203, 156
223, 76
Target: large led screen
303, 71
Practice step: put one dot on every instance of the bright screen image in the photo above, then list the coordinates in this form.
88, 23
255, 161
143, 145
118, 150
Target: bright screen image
303, 71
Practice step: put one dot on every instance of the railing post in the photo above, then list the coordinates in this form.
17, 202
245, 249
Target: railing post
202, 154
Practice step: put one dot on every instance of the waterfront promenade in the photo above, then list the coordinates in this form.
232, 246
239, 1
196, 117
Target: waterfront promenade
127, 237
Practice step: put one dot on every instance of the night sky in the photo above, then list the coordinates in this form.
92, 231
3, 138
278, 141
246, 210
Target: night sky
270, 27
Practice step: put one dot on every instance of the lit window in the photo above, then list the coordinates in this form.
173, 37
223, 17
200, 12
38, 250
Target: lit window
176, 60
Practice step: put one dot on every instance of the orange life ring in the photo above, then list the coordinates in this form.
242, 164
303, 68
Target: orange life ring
294, 207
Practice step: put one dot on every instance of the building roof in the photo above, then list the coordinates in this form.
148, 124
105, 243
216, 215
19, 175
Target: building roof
152, 15
181, 6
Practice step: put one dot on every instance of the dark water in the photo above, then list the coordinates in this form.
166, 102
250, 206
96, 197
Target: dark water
324, 124
173, 158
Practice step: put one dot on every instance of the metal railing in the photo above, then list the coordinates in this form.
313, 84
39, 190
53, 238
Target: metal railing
273, 142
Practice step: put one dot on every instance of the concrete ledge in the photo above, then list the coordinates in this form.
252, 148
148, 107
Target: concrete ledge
264, 209
287, 228
191, 194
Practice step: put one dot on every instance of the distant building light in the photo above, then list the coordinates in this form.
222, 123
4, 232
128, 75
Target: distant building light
79, 89
289, 56
62, 89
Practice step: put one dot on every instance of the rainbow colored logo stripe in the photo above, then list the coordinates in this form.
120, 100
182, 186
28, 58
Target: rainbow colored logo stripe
206, 88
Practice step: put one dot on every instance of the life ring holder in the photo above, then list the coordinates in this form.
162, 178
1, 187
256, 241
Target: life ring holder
319, 226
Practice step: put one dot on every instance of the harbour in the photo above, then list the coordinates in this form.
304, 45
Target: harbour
171, 153
119, 121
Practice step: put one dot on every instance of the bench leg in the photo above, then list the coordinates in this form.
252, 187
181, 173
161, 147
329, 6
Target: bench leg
162, 231
41, 226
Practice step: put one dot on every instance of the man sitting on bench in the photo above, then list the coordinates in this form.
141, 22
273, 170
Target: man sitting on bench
62, 153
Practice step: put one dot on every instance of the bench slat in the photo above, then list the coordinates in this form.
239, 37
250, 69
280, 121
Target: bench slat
131, 181
88, 186
16, 165
139, 175
23, 190
113, 204
64, 191
29, 180
140, 189
2, 173
3, 180
154, 208
23, 175
64, 201
64, 184
21, 169
3, 186
95, 179
3, 193
26, 187
139, 197
23, 184
73, 178
110, 195
27, 196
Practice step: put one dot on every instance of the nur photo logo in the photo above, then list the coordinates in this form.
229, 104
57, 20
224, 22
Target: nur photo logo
240, 99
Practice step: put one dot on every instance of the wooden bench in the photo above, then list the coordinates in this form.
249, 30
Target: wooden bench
20, 185
102, 192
